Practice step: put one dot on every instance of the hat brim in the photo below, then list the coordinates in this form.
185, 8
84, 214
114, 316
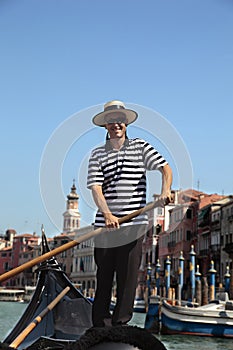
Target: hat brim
99, 119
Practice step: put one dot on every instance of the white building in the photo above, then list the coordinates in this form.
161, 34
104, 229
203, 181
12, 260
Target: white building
71, 216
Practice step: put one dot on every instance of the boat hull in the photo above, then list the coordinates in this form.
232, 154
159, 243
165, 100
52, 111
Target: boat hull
152, 320
16, 295
210, 321
139, 306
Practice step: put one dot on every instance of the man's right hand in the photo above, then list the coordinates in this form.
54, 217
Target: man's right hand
111, 221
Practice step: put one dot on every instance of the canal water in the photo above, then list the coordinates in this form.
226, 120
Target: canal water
11, 311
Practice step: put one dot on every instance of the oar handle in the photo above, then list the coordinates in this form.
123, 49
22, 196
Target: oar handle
80, 239
140, 211
37, 320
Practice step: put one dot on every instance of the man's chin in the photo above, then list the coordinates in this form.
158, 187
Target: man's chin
117, 136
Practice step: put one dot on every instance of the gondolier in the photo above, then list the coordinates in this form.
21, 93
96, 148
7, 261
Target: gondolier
117, 179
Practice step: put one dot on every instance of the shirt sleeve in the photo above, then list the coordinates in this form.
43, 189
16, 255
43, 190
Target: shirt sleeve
95, 174
152, 159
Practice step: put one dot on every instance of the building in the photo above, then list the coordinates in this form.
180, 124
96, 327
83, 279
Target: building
226, 239
208, 247
71, 217
188, 226
29, 276
65, 258
71, 223
16, 250
218, 241
179, 230
84, 268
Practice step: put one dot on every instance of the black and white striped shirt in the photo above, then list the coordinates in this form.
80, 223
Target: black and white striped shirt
122, 175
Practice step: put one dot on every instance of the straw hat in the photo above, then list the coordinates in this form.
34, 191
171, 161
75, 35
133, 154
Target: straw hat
111, 107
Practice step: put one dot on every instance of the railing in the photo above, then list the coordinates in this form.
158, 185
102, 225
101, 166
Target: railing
204, 223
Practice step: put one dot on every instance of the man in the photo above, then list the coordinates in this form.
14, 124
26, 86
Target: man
117, 178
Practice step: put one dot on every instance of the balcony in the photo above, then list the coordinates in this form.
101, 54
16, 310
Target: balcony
203, 223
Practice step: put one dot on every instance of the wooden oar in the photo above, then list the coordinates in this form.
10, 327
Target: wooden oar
37, 320
80, 239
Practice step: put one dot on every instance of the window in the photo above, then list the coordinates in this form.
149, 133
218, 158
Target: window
221, 240
189, 214
64, 254
160, 211
6, 266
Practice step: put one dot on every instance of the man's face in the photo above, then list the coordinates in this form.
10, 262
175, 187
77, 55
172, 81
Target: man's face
116, 125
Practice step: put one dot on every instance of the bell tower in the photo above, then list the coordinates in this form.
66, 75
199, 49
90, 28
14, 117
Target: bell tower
71, 216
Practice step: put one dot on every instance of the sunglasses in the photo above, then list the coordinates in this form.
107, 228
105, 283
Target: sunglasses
116, 121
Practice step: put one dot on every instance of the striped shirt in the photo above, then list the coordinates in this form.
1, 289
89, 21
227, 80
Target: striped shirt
122, 175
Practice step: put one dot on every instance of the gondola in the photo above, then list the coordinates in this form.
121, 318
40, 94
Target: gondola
68, 325
65, 323
214, 319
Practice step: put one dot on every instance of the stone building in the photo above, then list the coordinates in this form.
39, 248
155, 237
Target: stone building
71, 217
226, 239
71, 223
84, 268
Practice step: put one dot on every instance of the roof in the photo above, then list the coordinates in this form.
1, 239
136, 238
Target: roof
31, 235
63, 235
210, 199
6, 248
191, 193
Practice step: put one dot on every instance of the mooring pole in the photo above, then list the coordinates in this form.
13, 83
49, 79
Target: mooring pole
192, 271
181, 276
168, 275
212, 272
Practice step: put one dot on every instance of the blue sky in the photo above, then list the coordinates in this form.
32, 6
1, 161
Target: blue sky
64, 58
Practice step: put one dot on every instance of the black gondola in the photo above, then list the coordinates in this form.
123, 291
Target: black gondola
68, 321
65, 323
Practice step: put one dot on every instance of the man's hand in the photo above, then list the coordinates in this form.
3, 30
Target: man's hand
165, 198
111, 221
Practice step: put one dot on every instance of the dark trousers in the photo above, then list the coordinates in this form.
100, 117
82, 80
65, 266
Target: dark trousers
124, 261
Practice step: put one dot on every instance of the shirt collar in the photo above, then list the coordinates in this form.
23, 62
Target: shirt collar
108, 146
